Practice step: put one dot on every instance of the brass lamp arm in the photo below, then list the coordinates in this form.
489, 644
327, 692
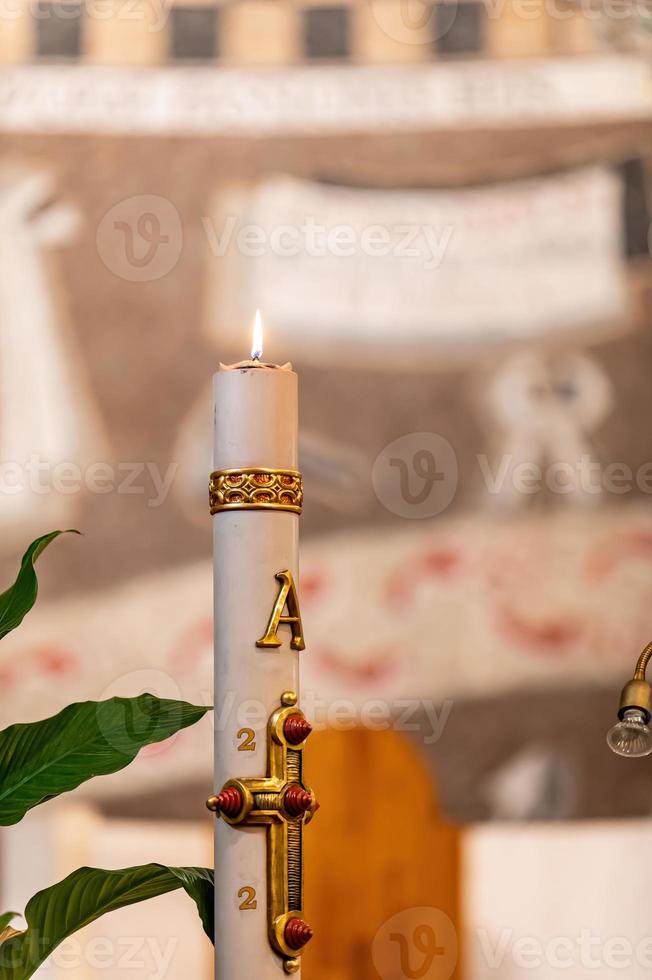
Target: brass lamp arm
637, 694
642, 663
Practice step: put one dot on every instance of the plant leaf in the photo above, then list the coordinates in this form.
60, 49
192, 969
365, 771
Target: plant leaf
57, 912
6, 918
17, 601
41, 760
199, 883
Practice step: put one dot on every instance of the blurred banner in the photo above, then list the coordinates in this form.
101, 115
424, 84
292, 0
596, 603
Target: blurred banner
318, 100
403, 276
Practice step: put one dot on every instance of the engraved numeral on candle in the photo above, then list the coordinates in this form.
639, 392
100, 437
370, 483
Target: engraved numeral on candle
247, 739
287, 597
248, 896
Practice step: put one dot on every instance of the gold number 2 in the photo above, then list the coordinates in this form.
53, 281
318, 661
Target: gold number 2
248, 743
248, 896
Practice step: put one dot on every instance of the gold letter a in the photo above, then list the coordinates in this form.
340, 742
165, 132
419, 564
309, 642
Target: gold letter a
287, 596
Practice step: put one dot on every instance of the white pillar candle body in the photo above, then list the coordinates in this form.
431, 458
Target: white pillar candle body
256, 424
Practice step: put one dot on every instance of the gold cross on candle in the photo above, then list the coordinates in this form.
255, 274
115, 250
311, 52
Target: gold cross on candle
282, 804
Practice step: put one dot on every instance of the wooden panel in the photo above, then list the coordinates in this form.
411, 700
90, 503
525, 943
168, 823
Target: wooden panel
365, 859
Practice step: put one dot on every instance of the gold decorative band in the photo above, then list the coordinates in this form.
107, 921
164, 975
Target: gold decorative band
256, 488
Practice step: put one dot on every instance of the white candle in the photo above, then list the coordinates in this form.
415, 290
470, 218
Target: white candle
256, 426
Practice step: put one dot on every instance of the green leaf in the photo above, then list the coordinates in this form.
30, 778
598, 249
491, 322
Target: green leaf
6, 918
43, 759
199, 883
17, 601
57, 912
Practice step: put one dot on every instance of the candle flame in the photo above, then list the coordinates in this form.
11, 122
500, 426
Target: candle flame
257, 339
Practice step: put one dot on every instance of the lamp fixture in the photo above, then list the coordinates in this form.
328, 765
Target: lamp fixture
631, 736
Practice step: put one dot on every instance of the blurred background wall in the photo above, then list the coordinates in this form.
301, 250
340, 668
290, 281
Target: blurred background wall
442, 210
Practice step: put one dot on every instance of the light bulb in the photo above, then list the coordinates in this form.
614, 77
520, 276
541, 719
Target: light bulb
631, 737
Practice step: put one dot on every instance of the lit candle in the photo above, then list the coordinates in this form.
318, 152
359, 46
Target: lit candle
256, 498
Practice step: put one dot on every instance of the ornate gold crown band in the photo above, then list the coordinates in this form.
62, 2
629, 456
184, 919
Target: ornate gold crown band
256, 488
